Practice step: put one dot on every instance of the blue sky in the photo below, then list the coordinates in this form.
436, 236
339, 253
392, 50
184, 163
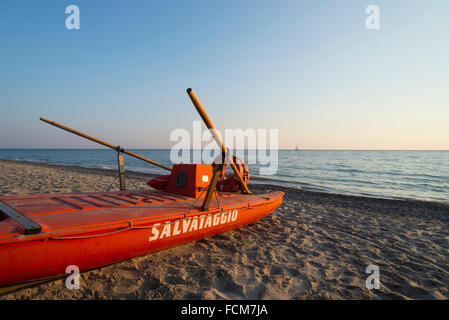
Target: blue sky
308, 68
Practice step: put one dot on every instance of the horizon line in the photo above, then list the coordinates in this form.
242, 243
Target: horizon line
279, 149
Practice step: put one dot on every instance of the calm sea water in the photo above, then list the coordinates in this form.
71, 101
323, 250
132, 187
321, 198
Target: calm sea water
389, 174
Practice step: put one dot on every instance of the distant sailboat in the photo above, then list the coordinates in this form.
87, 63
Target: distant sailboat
296, 148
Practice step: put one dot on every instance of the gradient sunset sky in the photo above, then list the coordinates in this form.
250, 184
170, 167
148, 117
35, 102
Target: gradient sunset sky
308, 68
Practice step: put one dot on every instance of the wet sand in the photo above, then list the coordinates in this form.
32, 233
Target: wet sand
315, 246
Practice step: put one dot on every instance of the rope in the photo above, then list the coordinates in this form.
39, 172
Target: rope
194, 202
109, 188
216, 198
140, 227
89, 236
100, 234
132, 180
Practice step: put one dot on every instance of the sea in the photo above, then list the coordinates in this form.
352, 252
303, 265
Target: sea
422, 175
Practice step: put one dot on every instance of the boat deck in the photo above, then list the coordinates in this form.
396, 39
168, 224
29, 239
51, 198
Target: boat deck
75, 213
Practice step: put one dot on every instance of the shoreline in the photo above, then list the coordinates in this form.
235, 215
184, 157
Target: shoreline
260, 181
80, 168
316, 245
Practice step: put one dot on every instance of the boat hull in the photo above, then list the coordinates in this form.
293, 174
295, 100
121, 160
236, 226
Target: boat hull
35, 257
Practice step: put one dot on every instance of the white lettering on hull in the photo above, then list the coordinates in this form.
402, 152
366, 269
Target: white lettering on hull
174, 228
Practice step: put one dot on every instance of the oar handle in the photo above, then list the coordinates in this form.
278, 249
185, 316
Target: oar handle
217, 138
60, 126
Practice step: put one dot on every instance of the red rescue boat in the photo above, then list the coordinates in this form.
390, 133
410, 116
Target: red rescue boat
91, 230
42, 235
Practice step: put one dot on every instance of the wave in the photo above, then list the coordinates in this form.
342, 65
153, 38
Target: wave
424, 175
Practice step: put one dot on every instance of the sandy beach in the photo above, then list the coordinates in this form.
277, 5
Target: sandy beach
315, 246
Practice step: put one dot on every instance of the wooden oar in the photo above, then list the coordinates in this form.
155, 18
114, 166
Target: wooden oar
118, 148
217, 138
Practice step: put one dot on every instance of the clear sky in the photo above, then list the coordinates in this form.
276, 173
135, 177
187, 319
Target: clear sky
308, 68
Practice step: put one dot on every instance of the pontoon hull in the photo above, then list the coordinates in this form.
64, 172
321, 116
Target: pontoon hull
92, 237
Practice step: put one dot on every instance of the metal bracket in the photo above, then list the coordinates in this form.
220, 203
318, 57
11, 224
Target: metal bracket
30, 226
212, 187
121, 169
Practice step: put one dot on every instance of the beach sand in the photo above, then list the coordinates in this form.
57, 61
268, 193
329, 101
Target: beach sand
315, 246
